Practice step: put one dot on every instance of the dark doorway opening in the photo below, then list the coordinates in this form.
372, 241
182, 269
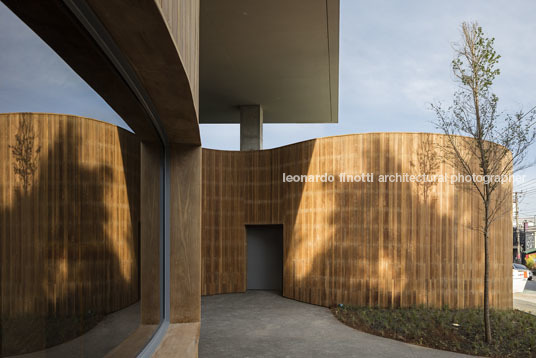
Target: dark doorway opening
265, 257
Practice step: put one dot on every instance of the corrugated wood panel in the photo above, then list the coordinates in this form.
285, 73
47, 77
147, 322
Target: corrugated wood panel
377, 244
70, 239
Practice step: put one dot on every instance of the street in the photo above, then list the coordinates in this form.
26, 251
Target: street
526, 301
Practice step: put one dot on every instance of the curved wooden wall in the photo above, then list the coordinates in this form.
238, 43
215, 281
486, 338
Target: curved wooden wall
69, 241
376, 244
164, 55
182, 18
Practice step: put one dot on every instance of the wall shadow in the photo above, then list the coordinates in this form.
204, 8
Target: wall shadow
400, 244
372, 244
65, 245
239, 189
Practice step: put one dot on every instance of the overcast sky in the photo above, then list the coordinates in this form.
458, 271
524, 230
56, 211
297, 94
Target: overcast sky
394, 61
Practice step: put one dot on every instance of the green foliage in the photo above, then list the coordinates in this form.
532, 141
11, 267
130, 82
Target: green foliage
474, 115
448, 329
476, 60
530, 263
473, 127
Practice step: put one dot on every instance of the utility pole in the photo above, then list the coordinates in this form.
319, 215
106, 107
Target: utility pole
525, 224
516, 201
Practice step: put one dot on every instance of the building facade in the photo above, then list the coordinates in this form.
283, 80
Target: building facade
152, 217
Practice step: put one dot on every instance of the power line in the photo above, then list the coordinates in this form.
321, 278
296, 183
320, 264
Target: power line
531, 180
526, 191
526, 186
528, 211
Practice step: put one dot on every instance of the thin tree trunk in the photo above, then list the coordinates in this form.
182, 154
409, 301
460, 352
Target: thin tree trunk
487, 325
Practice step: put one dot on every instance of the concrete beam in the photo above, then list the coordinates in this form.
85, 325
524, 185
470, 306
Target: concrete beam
251, 121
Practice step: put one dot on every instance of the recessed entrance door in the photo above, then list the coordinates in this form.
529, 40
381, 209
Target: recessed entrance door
265, 257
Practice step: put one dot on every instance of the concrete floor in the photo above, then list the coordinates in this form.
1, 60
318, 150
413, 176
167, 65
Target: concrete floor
264, 324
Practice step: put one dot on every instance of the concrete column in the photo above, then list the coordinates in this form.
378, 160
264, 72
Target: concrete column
185, 233
150, 210
251, 127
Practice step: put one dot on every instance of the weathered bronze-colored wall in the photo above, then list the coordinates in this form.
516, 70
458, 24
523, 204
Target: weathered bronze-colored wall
69, 240
182, 18
386, 244
185, 233
150, 231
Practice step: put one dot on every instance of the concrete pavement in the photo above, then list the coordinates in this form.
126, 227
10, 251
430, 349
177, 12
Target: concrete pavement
526, 301
264, 324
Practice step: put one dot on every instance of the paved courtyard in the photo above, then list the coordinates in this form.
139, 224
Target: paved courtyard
264, 324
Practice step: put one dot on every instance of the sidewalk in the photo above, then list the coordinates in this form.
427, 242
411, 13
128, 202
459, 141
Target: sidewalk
526, 301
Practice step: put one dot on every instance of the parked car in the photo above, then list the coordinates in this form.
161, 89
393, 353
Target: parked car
523, 268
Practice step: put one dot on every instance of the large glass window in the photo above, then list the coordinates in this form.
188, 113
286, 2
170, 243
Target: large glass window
71, 245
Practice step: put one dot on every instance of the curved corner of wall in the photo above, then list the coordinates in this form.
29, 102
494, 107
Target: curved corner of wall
69, 213
363, 243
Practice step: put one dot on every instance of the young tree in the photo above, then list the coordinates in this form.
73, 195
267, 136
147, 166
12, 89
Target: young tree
480, 140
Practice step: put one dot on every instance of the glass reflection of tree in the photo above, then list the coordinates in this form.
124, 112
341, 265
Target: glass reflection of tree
26, 152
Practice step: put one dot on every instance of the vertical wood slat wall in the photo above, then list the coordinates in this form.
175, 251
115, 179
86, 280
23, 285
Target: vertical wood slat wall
376, 244
69, 244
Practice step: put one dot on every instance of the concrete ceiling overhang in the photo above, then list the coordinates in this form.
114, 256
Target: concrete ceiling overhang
281, 54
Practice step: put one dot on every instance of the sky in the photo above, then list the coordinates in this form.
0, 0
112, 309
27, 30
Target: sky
394, 62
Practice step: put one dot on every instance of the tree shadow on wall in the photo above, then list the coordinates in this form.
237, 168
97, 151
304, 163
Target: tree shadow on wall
388, 244
60, 273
